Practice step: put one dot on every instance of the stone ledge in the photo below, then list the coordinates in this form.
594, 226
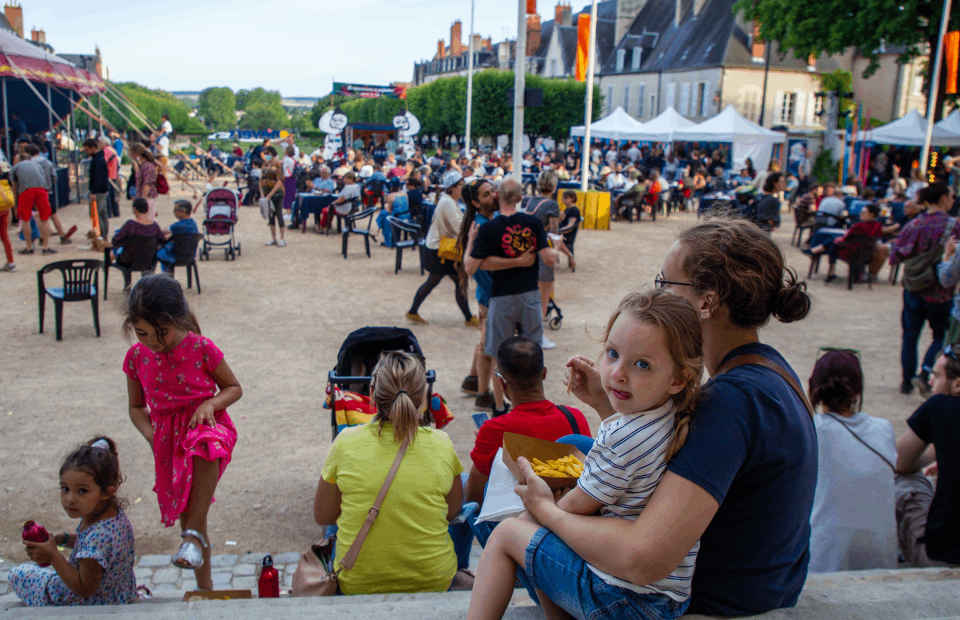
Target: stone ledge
866, 595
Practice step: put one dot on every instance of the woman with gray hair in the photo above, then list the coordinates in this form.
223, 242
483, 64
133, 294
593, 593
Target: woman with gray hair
546, 209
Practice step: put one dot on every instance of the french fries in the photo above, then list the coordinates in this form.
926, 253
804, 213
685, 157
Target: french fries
566, 467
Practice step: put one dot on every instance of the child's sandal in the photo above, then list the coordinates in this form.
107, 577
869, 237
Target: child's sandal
190, 556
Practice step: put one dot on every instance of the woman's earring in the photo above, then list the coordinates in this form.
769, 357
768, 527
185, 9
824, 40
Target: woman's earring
704, 319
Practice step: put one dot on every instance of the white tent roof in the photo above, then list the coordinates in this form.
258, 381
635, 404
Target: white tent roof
617, 126
728, 126
951, 123
910, 130
12, 44
663, 127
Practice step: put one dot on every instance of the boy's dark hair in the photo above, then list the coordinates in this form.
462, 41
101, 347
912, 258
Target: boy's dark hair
257, 163
521, 362
270, 149
183, 205
158, 299
102, 465
140, 205
31, 149
873, 208
569, 193
90, 143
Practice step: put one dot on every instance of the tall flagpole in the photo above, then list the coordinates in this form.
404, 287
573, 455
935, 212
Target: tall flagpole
934, 86
588, 101
469, 84
519, 86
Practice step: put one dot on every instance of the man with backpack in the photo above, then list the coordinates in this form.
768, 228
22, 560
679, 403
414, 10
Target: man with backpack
920, 247
546, 209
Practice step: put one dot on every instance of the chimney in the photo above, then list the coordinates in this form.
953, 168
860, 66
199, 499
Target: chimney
533, 34
757, 47
698, 6
678, 13
441, 50
14, 14
627, 11
487, 44
39, 36
562, 14
456, 42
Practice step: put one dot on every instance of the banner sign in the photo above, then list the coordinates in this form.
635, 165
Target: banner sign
583, 47
951, 47
52, 73
247, 135
369, 92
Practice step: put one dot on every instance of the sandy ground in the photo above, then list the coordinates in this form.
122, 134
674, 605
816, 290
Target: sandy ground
280, 315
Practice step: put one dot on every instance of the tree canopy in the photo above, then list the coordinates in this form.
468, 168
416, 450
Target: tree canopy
218, 108
815, 27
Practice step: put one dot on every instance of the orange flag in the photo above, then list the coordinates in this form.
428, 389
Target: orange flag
583, 47
951, 44
531, 7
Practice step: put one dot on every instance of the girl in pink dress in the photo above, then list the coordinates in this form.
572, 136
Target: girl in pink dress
173, 374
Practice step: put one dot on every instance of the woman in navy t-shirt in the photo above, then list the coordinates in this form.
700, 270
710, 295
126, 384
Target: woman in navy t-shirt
744, 482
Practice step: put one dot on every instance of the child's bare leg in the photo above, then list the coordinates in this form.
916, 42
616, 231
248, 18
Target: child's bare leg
552, 611
496, 574
205, 477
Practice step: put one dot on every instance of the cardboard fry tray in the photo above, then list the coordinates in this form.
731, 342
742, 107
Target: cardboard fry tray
515, 446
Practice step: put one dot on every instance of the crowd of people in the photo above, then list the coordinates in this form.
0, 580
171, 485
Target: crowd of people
678, 468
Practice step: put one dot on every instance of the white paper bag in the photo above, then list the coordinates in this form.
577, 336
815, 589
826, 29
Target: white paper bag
500, 502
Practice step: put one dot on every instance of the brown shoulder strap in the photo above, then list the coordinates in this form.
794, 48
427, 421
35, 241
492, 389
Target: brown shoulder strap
759, 360
354, 551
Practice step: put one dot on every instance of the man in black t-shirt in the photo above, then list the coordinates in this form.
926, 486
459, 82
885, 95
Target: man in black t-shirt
927, 519
509, 247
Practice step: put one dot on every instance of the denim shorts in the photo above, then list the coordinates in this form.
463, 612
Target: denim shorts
557, 571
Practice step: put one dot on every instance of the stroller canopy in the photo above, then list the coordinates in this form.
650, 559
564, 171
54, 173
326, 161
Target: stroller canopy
361, 350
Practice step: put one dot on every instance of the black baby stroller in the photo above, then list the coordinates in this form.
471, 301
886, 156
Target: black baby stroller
359, 354
221, 206
554, 316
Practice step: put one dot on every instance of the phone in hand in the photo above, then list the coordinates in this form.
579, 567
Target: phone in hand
480, 417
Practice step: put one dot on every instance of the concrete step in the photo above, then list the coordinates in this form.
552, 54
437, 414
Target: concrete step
864, 595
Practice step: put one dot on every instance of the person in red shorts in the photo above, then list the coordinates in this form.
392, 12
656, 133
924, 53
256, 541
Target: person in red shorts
29, 185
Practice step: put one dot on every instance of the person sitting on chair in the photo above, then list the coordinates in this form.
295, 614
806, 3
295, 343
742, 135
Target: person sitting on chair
142, 225
868, 226
654, 187
167, 255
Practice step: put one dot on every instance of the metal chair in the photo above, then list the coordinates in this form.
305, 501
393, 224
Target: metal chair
139, 254
185, 248
405, 235
351, 226
861, 251
80, 281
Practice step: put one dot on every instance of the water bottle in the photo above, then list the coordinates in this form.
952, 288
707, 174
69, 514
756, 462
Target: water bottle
34, 532
269, 583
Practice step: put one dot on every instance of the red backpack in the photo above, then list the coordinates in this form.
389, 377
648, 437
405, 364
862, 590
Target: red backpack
162, 186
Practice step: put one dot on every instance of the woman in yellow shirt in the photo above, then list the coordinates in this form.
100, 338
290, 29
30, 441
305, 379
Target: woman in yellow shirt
408, 548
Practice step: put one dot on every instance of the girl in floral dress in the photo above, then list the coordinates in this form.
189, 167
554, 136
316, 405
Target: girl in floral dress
100, 568
173, 374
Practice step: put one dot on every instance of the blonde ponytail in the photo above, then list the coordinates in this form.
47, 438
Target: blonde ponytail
398, 389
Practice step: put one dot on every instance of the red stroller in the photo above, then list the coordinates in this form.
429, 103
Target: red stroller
221, 206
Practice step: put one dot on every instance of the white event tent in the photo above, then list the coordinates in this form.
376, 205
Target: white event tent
950, 123
911, 130
748, 138
617, 126
663, 127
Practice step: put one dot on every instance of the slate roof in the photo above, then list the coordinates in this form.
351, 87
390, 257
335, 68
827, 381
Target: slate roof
568, 45
4, 24
710, 39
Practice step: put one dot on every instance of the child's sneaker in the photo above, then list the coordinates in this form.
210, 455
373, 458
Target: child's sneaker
8, 267
281, 243
272, 242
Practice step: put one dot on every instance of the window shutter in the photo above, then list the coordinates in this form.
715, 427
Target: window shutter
671, 95
641, 89
621, 57
637, 55
798, 113
626, 98
811, 109
685, 99
777, 108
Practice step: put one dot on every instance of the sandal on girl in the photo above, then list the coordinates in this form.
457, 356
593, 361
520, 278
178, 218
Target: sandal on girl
190, 556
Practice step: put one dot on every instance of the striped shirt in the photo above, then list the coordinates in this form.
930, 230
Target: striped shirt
622, 471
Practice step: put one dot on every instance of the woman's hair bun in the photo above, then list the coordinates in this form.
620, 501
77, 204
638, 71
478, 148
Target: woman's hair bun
791, 303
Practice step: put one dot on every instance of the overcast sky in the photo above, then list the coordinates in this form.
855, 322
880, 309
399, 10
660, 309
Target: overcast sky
295, 46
